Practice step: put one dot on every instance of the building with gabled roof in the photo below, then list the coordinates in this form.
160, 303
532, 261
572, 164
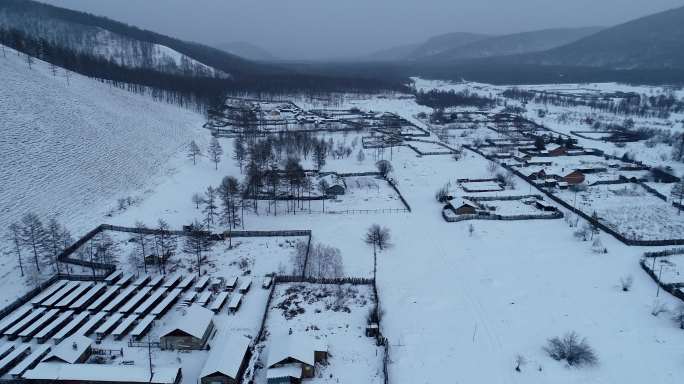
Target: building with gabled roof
226, 362
292, 352
72, 350
190, 331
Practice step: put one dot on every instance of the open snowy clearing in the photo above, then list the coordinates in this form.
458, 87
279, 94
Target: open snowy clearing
333, 314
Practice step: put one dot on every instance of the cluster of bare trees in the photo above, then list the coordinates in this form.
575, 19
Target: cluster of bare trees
323, 261
41, 243
151, 250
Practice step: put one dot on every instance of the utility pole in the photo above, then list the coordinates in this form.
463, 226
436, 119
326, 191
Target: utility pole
149, 355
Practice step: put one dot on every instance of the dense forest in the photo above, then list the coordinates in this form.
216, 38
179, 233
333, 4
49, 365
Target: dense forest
183, 89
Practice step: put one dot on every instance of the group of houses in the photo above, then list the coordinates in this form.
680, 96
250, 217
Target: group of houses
542, 178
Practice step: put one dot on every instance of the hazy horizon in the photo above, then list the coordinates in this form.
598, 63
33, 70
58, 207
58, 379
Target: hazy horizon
316, 30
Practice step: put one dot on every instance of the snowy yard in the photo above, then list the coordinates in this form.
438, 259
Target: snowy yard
334, 314
630, 210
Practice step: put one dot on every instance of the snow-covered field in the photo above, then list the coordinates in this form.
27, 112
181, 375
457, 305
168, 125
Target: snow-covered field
631, 210
458, 307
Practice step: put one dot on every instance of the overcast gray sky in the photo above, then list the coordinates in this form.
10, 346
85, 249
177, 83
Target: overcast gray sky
319, 29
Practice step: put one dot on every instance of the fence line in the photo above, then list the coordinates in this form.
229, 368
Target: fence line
27, 296
596, 223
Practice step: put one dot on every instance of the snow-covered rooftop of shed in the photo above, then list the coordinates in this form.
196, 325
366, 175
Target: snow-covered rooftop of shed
195, 321
298, 347
226, 358
70, 349
101, 373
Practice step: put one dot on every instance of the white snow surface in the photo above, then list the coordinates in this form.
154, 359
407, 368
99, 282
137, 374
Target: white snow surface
72, 149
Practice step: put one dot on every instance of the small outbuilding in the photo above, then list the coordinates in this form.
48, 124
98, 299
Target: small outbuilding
227, 362
190, 331
292, 354
336, 185
75, 349
464, 207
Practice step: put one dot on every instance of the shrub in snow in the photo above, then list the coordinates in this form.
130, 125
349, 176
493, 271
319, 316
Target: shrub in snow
577, 352
658, 308
519, 361
678, 316
626, 283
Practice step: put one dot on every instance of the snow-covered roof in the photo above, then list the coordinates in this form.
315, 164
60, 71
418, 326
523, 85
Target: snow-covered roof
227, 358
70, 349
332, 179
284, 372
298, 347
459, 202
195, 322
102, 373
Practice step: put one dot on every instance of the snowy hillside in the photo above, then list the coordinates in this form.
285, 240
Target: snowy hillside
100, 42
73, 146
138, 54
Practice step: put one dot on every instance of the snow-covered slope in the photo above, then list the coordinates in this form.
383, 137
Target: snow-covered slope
100, 42
72, 147
139, 54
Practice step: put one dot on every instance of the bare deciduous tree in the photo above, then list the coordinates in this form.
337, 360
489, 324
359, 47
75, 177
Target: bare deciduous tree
377, 237
194, 151
215, 151
33, 235
196, 243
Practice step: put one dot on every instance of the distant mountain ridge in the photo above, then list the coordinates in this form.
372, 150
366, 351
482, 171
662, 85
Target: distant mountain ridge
516, 43
464, 45
652, 42
247, 50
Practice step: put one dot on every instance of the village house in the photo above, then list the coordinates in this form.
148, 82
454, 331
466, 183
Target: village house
227, 362
463, 207
190, 331
293, 357
556, 150
336, 185
574, 178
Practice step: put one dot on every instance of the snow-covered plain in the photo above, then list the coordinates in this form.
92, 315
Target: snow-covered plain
459, 307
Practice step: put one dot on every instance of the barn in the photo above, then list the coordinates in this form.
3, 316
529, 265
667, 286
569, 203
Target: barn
293, 357
464, 207
190, 331
227, 362
336, 185
574, 178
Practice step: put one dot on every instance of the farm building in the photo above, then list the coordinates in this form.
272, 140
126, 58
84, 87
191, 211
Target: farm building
464, 207
557, 150
72, 350
294, 357
336, 185
544, 206
190, 331
574, 178
102, 374
227, 362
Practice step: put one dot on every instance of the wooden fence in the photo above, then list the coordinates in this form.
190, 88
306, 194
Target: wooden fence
592, 221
